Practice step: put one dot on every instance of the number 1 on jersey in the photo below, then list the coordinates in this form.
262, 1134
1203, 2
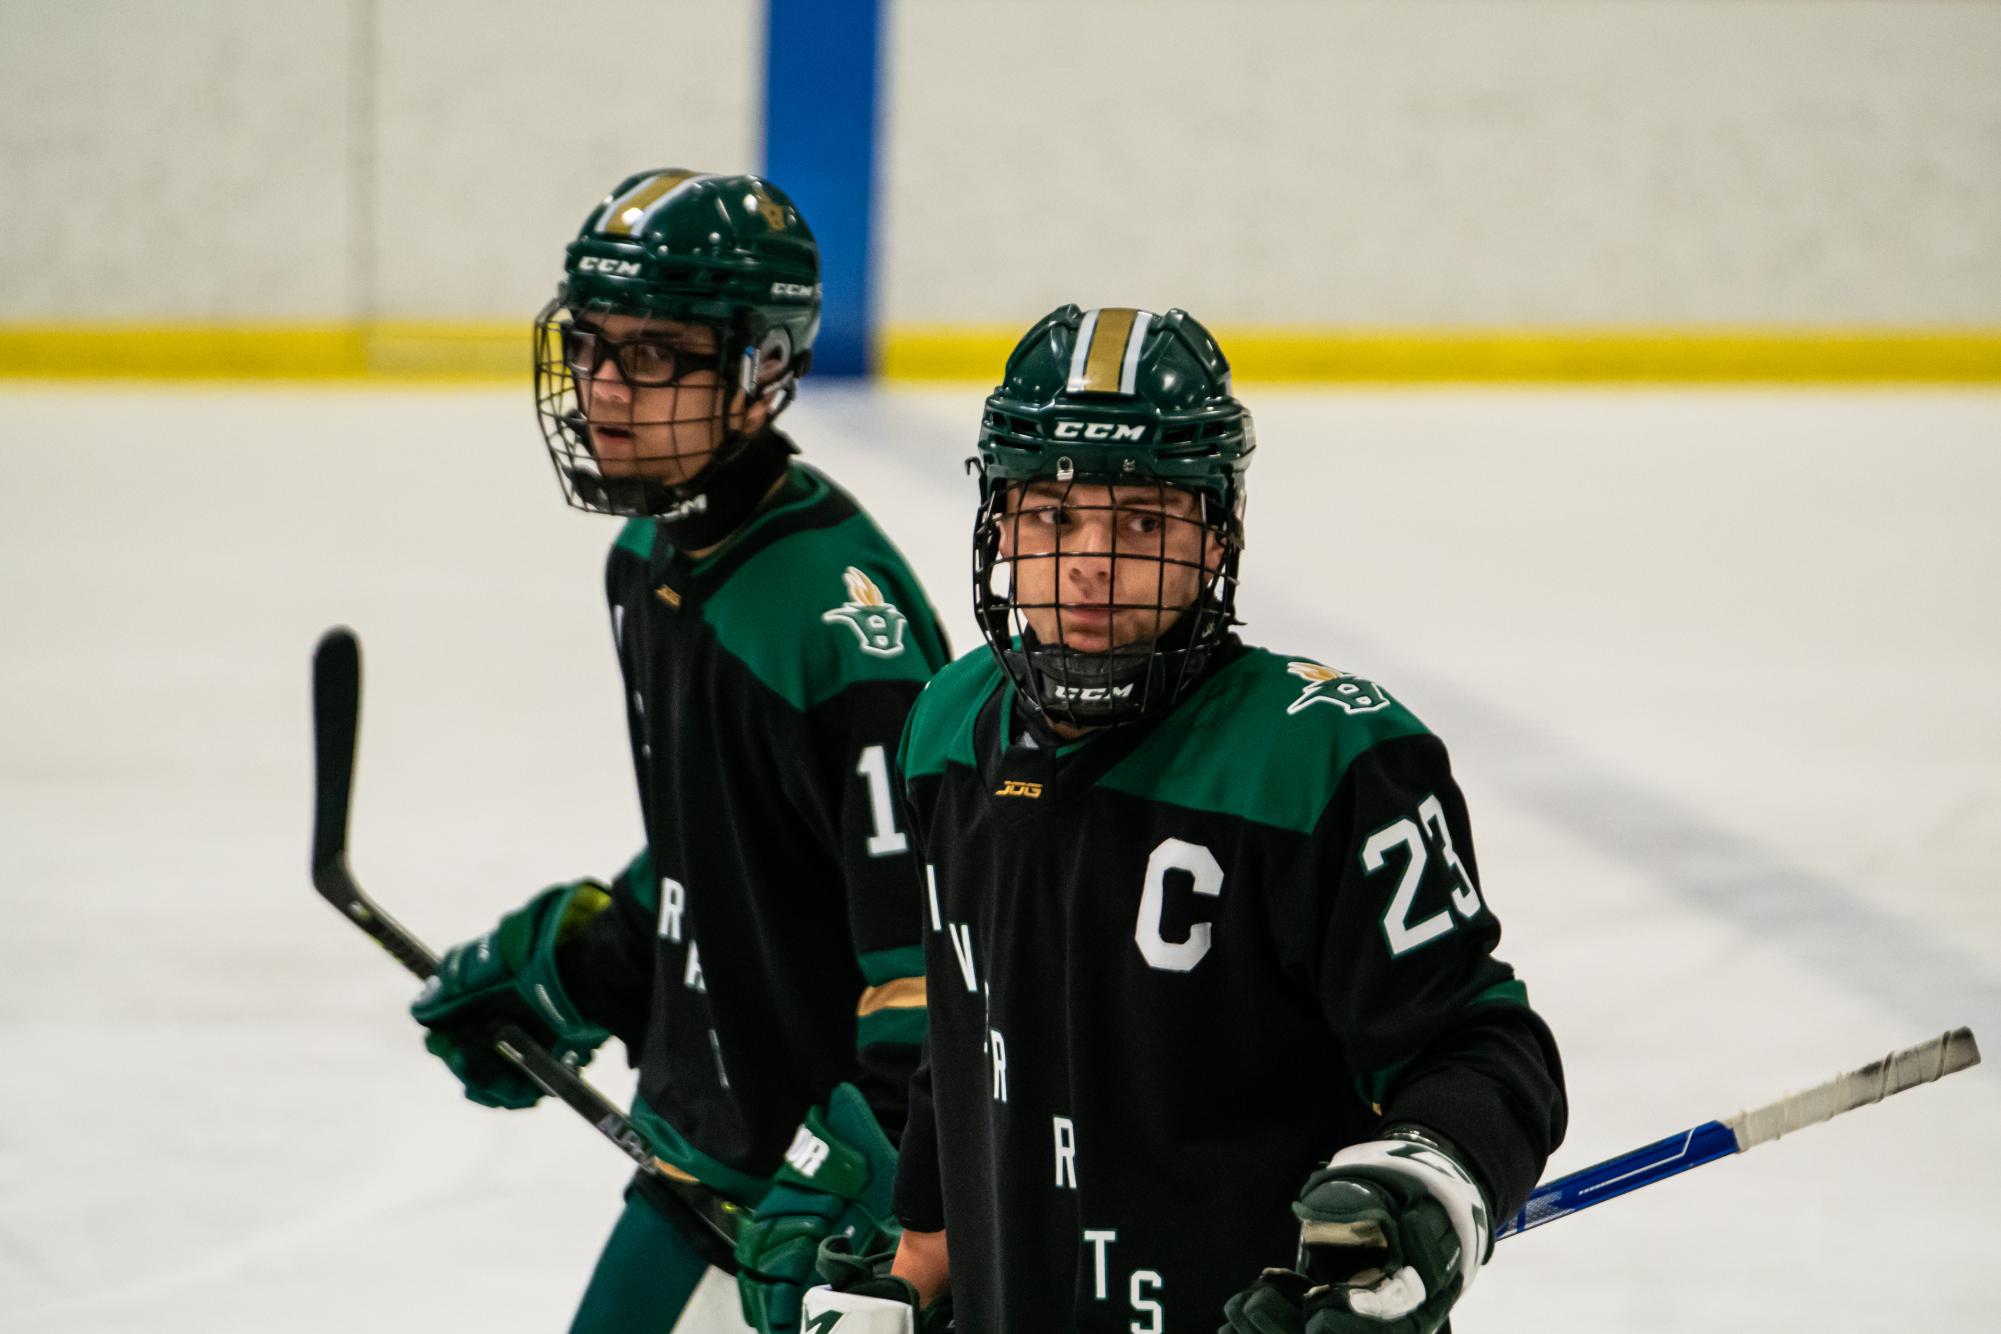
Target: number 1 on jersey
887, 839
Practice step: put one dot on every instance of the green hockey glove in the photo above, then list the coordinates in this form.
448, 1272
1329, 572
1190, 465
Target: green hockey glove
862, 1296
1392, 1233
1275, 1304
508, 976
835, 1181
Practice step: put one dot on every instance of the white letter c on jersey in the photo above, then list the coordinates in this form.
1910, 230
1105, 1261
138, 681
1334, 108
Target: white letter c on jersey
1199, 862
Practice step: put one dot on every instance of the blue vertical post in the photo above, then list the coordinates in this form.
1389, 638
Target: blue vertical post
821, 59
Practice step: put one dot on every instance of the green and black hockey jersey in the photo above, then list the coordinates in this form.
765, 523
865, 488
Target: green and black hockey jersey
1176, 965
766, 944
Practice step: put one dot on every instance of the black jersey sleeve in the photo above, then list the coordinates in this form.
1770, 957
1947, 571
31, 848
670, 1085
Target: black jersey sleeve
919, 1201
607, 967
1437, 1030
855, 743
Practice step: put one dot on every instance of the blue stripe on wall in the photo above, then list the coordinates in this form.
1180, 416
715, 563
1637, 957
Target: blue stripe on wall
820, 82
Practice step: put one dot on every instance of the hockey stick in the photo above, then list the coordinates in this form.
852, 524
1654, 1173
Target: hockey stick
336, 720
1900, 1070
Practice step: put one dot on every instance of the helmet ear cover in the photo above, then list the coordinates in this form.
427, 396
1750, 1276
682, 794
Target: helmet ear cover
768, 370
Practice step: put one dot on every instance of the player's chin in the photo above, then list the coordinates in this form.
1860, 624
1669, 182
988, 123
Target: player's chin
1137, 630
675, 462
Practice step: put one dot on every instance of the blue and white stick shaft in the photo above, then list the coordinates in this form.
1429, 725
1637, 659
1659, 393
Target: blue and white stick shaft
1900, 1070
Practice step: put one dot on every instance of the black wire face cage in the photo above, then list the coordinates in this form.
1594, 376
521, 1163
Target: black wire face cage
626, 430
1103, 598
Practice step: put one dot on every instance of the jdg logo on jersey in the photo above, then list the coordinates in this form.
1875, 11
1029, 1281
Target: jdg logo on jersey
1351, 694
875, 622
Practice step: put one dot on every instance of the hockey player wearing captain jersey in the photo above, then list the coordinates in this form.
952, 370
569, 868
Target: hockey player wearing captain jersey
1217, 1033
760, 957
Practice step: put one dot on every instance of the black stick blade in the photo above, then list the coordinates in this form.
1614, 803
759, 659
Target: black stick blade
336, 725
336, 716
707, 1220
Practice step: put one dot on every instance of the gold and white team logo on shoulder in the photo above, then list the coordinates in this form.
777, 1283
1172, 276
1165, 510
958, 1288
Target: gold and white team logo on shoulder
1324, 685
875, 622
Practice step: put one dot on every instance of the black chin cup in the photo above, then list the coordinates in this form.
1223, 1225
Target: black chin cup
609, 495
1065, 685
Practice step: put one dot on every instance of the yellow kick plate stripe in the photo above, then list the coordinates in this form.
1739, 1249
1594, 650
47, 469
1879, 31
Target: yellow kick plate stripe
501, 350
1968, 355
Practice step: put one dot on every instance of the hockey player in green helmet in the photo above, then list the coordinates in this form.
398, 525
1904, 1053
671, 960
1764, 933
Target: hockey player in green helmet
686, 316
760, 957
1217, 1033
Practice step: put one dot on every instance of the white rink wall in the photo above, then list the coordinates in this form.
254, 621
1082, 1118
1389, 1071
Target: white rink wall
339, 159
1433, 162
1268, 162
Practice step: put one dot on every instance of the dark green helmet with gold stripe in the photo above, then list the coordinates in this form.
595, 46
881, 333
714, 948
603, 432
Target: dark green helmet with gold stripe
1118, 393
688, 245
1111, 461
665, 250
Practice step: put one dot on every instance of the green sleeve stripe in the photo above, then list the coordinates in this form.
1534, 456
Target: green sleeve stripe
890, 1028
880, 966
1371, 1087
1510, 992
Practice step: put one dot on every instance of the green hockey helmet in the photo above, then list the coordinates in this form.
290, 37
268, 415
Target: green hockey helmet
1096, 410
1118, 393
676, 247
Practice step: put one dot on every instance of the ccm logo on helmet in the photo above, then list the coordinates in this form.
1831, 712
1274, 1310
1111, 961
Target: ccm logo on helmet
616, 268
795, 289
1099, 431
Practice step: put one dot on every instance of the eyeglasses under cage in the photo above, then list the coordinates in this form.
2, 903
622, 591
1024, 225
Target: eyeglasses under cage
649, 363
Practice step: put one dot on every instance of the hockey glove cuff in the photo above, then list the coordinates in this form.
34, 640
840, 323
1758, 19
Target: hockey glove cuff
836, 1181
1396, 1229
866, 1298
507, 976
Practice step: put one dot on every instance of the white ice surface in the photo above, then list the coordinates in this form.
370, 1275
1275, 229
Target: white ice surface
1721, 673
